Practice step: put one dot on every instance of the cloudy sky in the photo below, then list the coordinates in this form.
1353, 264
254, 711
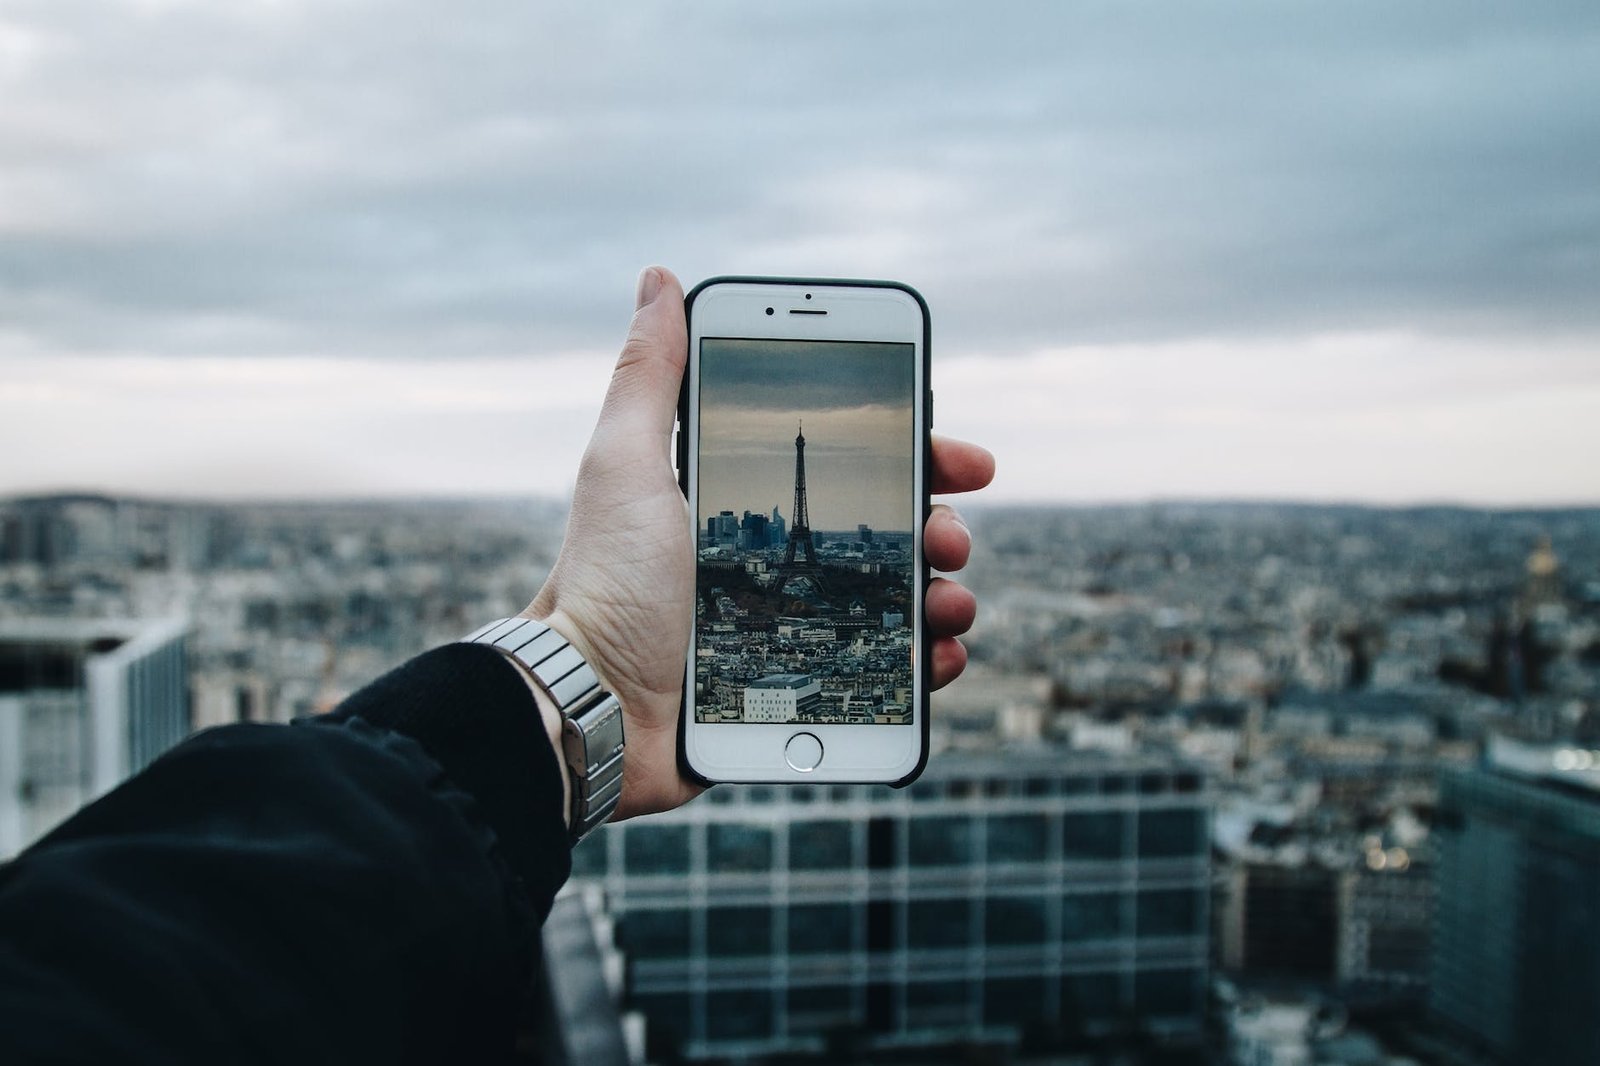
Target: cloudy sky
854, 403
1181, 249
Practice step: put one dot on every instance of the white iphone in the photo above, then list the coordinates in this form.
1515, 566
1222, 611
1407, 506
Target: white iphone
803, 451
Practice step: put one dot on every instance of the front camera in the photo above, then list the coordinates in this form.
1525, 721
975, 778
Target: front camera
808, 296
769, 310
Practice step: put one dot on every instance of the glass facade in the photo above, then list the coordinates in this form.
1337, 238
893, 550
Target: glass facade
1514, 964
997, 898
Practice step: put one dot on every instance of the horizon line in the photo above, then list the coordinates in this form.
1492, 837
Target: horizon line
968, 502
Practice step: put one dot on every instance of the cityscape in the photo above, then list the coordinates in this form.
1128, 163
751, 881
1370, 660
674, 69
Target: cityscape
1223, 783
794, 624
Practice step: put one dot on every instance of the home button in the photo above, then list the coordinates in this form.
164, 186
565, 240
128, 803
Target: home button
803, 753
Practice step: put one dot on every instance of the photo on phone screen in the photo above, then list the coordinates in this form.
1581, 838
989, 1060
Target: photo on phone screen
805, 512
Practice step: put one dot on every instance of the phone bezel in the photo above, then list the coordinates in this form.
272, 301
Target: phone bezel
858, 311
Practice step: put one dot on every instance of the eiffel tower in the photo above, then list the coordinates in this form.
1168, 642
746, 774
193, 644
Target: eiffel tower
800, 542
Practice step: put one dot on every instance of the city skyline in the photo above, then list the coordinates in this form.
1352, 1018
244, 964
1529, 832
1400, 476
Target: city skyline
756, 398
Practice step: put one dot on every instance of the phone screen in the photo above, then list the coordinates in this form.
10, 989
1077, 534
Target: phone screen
806, 509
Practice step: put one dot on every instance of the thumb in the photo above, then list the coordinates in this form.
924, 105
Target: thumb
643, 395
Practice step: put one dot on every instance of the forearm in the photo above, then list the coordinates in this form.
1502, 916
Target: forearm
338, 891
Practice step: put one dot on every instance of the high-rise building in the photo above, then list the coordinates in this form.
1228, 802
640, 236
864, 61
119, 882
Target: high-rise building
83, 704
777, 530
1057, 895
1515, 967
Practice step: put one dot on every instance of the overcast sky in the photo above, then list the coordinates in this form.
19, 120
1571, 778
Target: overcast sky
854, 402
1181, 249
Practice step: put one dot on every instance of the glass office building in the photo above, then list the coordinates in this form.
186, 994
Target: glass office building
83, 704
1050, 895
1516, 971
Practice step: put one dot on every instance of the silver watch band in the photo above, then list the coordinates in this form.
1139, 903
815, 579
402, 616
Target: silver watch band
591, 731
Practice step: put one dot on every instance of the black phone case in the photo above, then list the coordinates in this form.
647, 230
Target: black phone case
682, 457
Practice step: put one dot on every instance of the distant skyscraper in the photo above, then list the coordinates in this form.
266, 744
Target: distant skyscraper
777, 530
83, 704
753, 531
1515, 965
1043, 892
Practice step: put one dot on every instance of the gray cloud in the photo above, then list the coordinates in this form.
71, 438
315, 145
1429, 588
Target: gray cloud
805, 375
387, 179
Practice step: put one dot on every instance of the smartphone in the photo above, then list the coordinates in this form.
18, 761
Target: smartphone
803, 451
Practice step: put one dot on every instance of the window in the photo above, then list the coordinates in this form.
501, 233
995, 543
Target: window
669, 1014
1171, 834
738, 931
1167, 992
662, 934
1091, 916
1169, 912
938, 923
1015, 1001
733, 848
820, 929
1087, 998
656, 849
936, 994
821, 845
1018, 838
820, 1007
1095, 835
739, 1014
1014, 920
941, 841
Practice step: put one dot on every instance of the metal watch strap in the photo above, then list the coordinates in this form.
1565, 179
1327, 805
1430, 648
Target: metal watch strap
591, 731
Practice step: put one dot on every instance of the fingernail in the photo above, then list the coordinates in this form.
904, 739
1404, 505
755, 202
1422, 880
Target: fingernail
649, 286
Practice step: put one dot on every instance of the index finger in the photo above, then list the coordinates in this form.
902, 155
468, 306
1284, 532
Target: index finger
959, 466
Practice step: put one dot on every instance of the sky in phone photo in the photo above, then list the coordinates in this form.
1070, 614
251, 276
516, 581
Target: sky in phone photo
854, 402
1194, 250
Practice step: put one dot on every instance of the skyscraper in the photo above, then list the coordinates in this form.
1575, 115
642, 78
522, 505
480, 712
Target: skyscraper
1515, 966
83, 704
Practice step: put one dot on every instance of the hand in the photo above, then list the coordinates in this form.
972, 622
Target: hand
622, 589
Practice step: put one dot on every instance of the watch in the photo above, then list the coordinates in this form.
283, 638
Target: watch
591, 729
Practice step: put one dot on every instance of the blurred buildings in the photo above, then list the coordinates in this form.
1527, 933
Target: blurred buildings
1369, 889
1517, 967
83, 704
1032, 894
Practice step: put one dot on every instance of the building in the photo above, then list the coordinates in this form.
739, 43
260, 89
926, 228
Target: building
83, 704
782, 698
1052, 895
1386, 914
1278, 917
1515, 968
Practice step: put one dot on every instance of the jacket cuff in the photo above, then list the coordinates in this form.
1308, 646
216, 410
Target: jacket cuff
472, 711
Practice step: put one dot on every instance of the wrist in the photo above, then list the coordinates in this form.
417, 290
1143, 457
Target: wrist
581, 718
550, 715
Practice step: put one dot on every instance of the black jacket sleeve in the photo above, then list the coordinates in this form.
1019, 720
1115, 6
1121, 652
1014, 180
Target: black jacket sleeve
361, 887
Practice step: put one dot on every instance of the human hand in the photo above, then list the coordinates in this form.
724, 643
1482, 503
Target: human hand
622, 589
